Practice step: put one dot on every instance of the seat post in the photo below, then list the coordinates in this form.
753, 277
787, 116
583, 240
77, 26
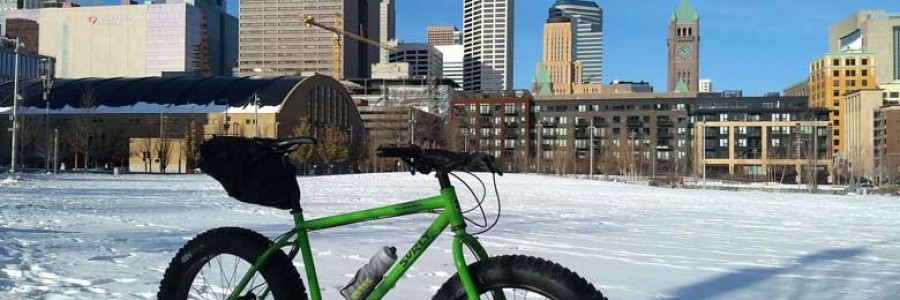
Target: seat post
443, 179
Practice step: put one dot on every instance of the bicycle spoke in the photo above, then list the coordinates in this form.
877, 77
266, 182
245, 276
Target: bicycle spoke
209, 285
512, 294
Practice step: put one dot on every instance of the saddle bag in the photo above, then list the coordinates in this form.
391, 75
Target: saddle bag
251, 171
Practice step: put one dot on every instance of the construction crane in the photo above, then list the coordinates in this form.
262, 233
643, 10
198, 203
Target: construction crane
336, 57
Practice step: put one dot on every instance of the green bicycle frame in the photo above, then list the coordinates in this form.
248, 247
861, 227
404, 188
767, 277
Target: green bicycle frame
449, 215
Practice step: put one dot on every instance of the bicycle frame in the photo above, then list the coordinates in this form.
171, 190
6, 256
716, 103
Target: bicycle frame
449, 215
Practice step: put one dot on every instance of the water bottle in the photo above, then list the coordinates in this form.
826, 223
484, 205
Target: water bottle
370, 274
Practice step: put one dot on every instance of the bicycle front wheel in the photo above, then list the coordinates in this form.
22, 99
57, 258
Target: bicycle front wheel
211, 265
521, 277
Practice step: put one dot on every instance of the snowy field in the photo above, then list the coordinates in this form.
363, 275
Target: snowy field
105, 237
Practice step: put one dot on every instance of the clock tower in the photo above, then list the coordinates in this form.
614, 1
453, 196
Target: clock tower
684, 49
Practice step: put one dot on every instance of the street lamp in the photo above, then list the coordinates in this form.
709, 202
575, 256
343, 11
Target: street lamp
592, 149
47, 84
703, 134
412, 126
540, 147
16, 97
256, 114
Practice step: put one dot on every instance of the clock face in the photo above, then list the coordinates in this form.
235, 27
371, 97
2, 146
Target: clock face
685, 52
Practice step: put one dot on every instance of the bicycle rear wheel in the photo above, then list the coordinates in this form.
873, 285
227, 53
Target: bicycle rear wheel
213, 263
521, 277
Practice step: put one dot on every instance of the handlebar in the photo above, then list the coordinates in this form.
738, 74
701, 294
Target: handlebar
426, 160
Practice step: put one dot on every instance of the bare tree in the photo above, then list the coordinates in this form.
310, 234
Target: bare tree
143, 149
561, 160
626, 156
306, 153
334, 148
112, 147
193, 134
163, 147
81, 141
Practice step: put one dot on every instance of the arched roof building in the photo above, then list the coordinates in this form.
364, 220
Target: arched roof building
140, 107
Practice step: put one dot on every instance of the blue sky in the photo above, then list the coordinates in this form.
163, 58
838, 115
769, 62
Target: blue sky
752, 45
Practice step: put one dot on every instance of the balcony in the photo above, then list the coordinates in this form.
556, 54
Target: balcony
635, 123
582, 123
665, 123
484, 112
511, 134
582, 134
547, 124
512, 112
601, 124
512, 124
664, 135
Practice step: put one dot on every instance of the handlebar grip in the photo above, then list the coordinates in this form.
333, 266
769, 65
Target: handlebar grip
395, 151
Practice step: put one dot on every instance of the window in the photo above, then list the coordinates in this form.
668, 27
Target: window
836, 62
865, 62
776, 142
836, 83
723, 142
836, 93
864, 73
836, 73
742, 130
895, 94
897, 52
723, 130
742, 143
723, 117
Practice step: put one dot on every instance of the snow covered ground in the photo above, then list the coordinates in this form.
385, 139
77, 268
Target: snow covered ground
106, 237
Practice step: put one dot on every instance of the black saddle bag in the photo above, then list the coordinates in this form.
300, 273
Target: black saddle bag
251, 171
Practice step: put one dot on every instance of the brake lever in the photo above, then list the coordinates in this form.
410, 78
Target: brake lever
489, 162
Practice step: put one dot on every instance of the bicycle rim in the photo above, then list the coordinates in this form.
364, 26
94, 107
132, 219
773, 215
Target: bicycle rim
220, 274
515, 293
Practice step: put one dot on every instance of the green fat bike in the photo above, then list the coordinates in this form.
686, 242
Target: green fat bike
236, 263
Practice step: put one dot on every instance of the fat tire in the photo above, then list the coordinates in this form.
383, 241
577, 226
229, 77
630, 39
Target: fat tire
278, 272
552, 279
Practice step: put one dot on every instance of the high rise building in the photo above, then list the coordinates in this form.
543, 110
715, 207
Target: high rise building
122, 40
557, 56
221, 34
833, 76
587, 20
425, 61
448, 40
453, 62
387, 25
706, 85
488, 45
559, 73
684, 49
442, 35
274, 41
873, 31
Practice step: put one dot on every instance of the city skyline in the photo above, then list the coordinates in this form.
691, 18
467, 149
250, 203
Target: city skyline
773, 51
